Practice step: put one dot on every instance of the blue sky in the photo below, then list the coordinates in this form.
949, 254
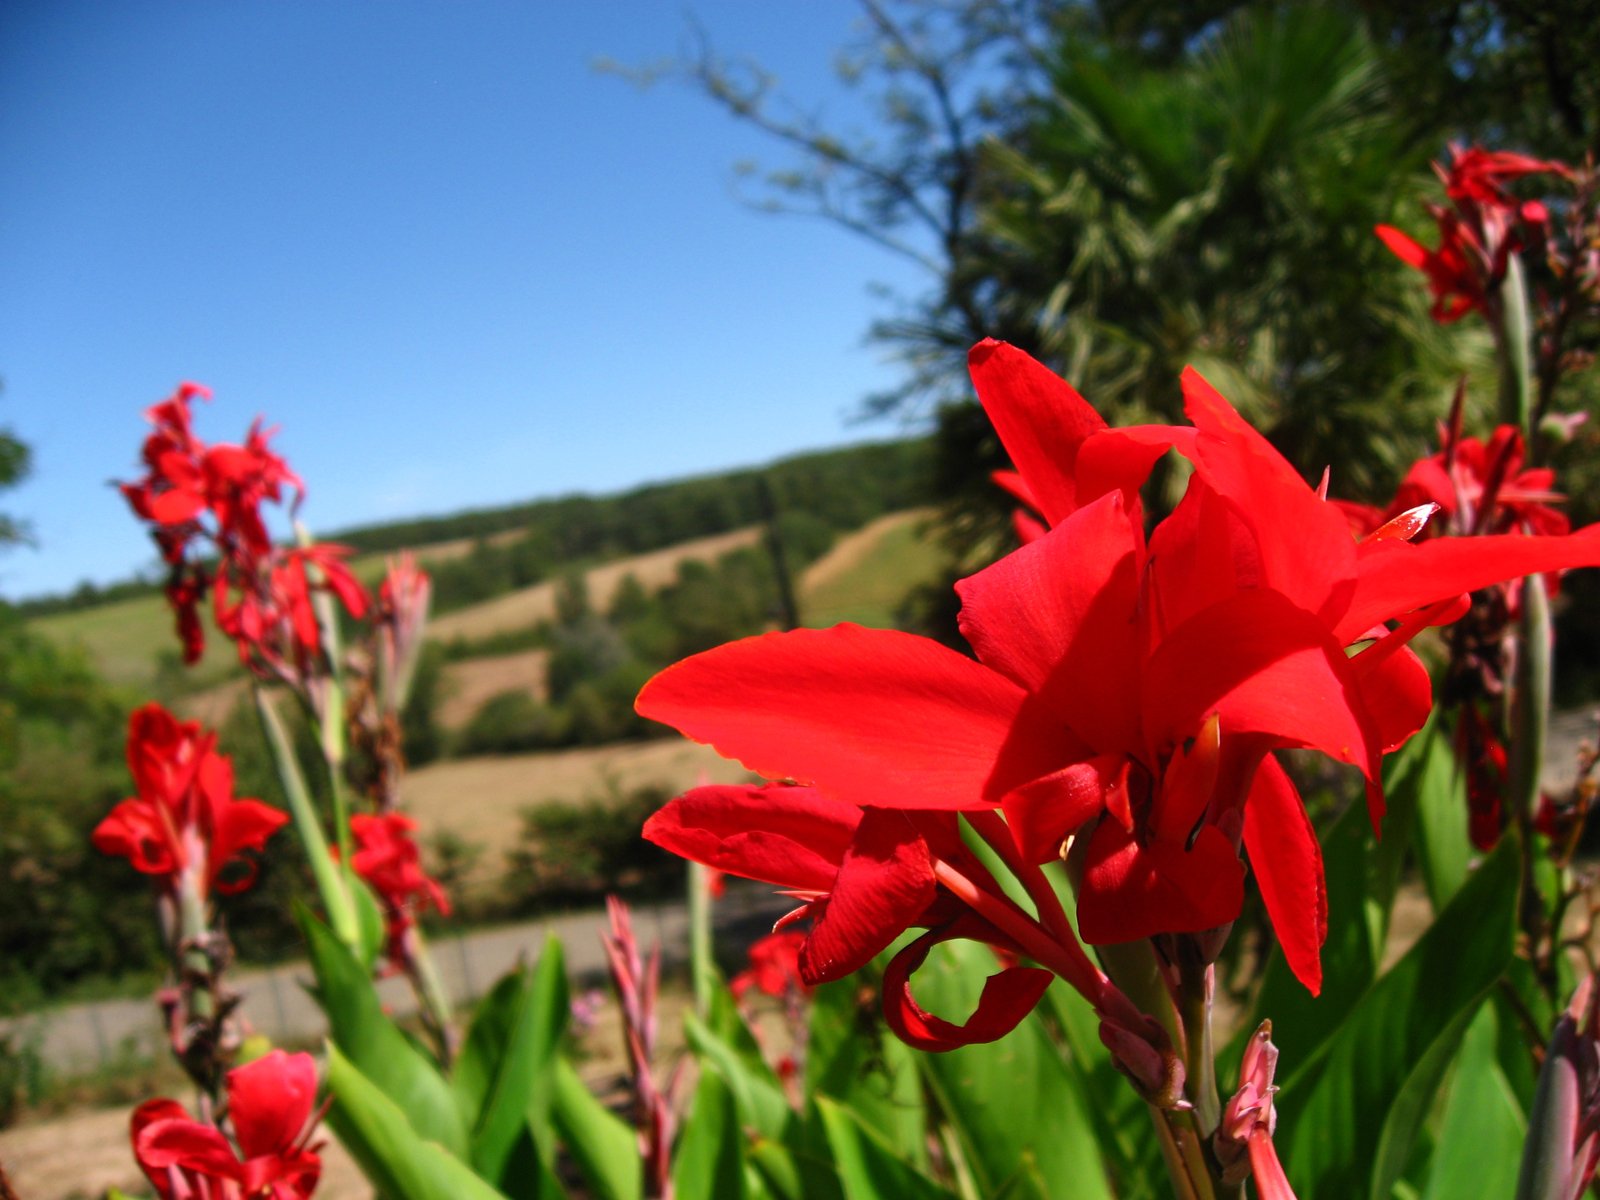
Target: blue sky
455, 264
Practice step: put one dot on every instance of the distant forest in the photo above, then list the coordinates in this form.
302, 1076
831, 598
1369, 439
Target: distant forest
840, 488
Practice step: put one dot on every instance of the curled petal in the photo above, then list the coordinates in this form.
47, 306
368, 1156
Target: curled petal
884, 884
1007, 998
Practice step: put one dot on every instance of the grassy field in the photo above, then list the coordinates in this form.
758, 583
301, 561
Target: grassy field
127, 639
867, 575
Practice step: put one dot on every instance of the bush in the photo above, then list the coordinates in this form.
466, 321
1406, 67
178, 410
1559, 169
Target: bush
572, 852
513, 722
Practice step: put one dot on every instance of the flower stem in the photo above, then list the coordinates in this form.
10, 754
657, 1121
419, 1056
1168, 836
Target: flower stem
335, 899
1196, 985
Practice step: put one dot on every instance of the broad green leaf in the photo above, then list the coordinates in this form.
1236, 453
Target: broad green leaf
757, 1092
400, 1162
605, 1148
1012, 1102
853, 1058
1121, 1120
1352, 1096
1443, 845
369, 916
374, 1045
868, 1168
708, 1161
1480, 1137
1301, 1021
502, 1076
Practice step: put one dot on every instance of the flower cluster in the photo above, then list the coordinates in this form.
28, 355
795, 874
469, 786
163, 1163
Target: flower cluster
271, 1108
387, 858
1479, 232
185, 826
1127, 701
204, 503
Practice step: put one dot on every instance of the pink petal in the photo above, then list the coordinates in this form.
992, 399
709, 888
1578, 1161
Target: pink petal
1271, 1182
792, 837
1057, 618
1040, 418
870, 716
1007, 998
1287, 862
884, 884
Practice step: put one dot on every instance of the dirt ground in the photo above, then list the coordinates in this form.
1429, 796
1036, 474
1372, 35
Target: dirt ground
481, 799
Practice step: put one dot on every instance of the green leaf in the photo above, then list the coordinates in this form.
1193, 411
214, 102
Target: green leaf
1301, 1021
868, 1168
394, 1156
502, 1077
708, 1161
374, 1044
756, 1091
369, 916
1015, 1101
853, 1058
1351, 1100
1443, 846
1480, 1137
604, 1147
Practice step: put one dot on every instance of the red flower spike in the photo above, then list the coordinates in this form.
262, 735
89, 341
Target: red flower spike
1007, 998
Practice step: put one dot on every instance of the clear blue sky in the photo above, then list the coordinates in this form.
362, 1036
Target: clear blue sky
452, 262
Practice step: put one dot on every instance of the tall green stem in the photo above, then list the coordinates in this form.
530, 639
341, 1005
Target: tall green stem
330, 885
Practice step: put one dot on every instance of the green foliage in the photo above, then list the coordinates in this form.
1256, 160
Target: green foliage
582, 850
61, 772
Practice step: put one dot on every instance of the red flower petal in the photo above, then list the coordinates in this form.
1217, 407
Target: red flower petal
1287, 862
869, 716
1398, 696
1265, 666
1040, 418
1132, 891
270, 1101
1045, 810
1307, 552
790, 837
884, 884
1057, 617
1395, 577
1007, 998
1204, 552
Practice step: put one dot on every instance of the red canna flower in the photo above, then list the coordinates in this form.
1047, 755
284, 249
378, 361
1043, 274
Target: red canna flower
185, 822
774, 968
387, 857
1128, 691
1480, 233
271, 1104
